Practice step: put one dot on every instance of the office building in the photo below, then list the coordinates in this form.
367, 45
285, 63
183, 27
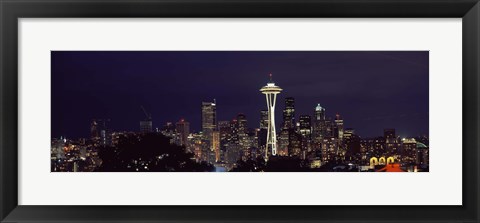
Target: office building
183, 130
289, 114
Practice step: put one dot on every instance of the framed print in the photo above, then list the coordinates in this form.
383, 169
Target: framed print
174, 111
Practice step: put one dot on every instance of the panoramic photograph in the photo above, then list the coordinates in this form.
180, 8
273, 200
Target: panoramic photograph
239, 111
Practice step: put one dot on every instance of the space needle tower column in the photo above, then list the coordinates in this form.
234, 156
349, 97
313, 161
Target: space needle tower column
270, 91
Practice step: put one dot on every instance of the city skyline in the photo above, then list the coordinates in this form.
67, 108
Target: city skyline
292, 141
410, 110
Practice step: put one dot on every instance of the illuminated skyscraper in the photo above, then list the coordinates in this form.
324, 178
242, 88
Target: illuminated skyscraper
329, 129
234, 131
283, 142
94, 133
294, 144
305, 130
242, 123
242, 132
409, 151
422, 154
305, 126
57, 148
170, 131
270, 91
195, 145
225, 130
339, 126
100, 134
318, 132
348, 133
289, 113
263, 119
216, 145
262, 132
209, 121
390, 141
183, 130
319, 113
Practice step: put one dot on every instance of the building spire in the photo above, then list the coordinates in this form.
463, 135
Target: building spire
271, 91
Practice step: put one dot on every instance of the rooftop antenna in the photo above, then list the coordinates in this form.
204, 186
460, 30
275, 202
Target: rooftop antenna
270, 77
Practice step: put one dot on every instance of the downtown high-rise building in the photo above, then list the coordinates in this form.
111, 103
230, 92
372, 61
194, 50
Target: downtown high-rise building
146, 125
318, 124
391, 145
169, 130
195, 145
183, 130
216, 146
99, 132
262, 131
289, 114
283, 142
294, 144
422, 154
263, 119
242, 123
225, 133
94, 130
209, 121
348, 133
243, 132
234, 131
305, 126
339, 127
305, 130
409, 151
329, 128
225, 130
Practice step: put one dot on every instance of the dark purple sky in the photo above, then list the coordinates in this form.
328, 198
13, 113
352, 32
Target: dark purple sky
371, 90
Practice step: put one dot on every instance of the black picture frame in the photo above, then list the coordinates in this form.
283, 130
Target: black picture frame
12, 10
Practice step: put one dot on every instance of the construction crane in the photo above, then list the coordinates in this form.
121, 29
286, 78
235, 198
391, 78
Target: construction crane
146, 125
148, 116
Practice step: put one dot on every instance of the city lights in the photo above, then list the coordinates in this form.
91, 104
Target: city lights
314, 143
224, 111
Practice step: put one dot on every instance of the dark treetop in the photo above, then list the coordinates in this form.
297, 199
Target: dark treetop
371, 90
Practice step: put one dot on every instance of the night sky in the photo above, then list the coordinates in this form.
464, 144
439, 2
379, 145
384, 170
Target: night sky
371, 90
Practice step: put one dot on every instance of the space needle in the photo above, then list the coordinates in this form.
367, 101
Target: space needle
270, 91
